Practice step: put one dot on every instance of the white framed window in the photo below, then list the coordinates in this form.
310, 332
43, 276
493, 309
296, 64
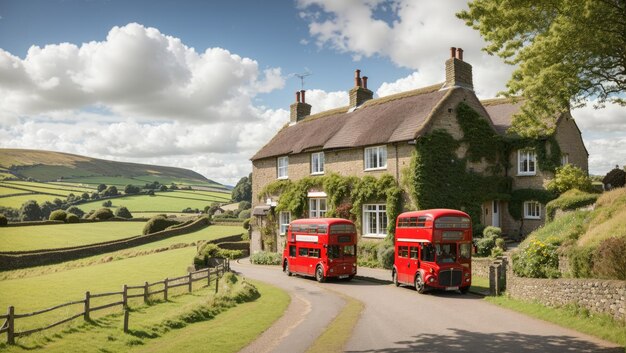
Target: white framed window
532, 210
565, 159
317, 208
375, 220
526, 162
282, 165
284, 218
317, 163
375, 158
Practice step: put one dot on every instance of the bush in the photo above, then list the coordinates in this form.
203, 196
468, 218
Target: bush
158, 223
102, 214
385, 255
107, 203
30, 211
581, 261
245, 214
77, 211
101, 187
210, 250
367, 253
244, 205
570, 200
111, 191
131, 189
537, 260
609, 259
58, 215
266, 258
492, 231
616, 178
3, 220
490, 240
246, 223
123, 212
569, 177
72, 218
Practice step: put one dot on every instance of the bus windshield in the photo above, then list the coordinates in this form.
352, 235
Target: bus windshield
446, 253
337, 251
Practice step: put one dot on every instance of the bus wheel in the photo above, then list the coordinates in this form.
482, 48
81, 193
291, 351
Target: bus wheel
319, 274
286, 269
464, 290
394, 278
420, 287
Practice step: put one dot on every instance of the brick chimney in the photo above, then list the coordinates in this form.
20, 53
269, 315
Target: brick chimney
299, 110
359, 94
458, 72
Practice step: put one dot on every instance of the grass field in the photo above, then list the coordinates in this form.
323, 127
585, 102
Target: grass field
65, 235
17, 201
10, 191
160, 202
45, 188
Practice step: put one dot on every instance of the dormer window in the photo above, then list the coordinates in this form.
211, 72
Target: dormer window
564, 159
376, 158
526, 162
282, 164
317, 163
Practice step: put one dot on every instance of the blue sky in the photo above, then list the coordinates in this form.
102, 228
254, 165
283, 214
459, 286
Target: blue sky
204, 84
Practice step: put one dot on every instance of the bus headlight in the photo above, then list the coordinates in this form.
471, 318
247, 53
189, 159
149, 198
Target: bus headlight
467, 274
467, 280
431, 279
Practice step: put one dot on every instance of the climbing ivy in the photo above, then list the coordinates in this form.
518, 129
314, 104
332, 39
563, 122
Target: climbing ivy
482, 140
518, 197
548, 162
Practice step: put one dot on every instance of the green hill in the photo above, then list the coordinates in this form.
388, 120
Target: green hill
52, 166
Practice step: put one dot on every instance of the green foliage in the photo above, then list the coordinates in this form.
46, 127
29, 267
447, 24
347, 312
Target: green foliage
210, 250
519, 196
77, 211
123, 212
102, 214
107, 203
482, 140
367, 253
3, 220
581, 261
493, 232
609, 259
244, 205
131, 189
101, 187
245, 214
547, 162
111, 191
537, 259
58, 215
570, 200
243, 189
563, 49
386, 253
266, 258
616, 178
72, 218
246, 223
567, 178
158, 223
491, 243
30, 211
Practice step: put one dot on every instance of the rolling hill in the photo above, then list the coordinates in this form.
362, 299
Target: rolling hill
49, 166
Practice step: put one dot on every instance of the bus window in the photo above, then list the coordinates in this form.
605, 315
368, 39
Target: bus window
465, 251
332, 251
428, 252
403, 251
413, 252
314, 252
348, 250
292, 250
303, 252
446, 253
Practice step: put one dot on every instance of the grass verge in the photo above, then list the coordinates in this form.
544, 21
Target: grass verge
571, 316
480, 284
340, 329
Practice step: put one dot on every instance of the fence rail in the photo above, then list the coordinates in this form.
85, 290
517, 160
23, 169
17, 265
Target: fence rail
10, 318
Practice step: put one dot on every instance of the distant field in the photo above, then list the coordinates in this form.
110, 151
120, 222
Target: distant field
45, 188
65, 235
160, 202
117, 181
142, 180
17, 201
52, 172
75, 188
9, 191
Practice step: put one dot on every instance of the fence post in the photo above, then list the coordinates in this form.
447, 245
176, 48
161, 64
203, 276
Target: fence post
145, 292
87, 300
208, 276
125, 295
190, 280
11, 325
126, 315
165, 290
217, 281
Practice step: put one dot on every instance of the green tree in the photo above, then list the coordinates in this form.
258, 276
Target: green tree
58, 215
101, 187
30, 211
569, 177
76, 211
131, 189
243, 189
123, 212
111, 191
567, 51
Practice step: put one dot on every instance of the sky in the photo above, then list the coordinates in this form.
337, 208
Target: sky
204, 84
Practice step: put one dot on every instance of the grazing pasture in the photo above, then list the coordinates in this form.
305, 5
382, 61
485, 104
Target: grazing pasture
174, 201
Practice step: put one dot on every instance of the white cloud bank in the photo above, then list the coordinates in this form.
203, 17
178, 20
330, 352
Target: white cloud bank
140, 96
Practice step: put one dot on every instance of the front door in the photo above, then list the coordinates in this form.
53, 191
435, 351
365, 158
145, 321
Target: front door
495, 214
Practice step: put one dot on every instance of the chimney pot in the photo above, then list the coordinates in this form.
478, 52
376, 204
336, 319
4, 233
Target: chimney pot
452, 52
302, 95
459, 54
365, 82
357, 78
297, 96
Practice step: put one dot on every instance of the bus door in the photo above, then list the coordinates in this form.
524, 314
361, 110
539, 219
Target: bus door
402, 263
414, 262
427, 256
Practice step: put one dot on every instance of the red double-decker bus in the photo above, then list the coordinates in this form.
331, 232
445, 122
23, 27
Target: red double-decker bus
321, 247
433, 250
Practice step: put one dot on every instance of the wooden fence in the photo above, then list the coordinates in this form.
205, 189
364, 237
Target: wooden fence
120, 299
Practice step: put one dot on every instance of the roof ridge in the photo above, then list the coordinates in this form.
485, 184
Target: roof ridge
405, 94
500, 100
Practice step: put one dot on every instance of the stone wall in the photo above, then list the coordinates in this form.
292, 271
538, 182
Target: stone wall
480, 266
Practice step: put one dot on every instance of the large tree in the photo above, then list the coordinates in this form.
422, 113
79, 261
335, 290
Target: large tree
567, 52
243, 189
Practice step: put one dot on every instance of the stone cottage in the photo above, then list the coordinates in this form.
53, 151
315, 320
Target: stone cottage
439, 146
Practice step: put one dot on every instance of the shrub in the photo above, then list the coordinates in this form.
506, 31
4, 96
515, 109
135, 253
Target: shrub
111, 191
537, 260
616, 178
58, 215
245, 214
158, 223
30, 211
385, 255
496, 251
72, 218
101, 187
484, 246
107, 203
490, 240
102, 214
3, 220
367, 253
75, 210
131, 189
84, 196
492, 231
151, 192
244, 205
246, 223
162, 188
123, 212
570, 200
477, 230
569, 177
609, 259
210, 250
266, 258
581, 261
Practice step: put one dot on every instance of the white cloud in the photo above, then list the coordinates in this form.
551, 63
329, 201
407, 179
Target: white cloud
322, 100
419, 38
610, 118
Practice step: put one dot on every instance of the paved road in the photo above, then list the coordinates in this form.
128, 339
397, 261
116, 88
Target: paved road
400, 320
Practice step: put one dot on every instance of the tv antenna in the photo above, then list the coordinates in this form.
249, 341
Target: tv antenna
301, 76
